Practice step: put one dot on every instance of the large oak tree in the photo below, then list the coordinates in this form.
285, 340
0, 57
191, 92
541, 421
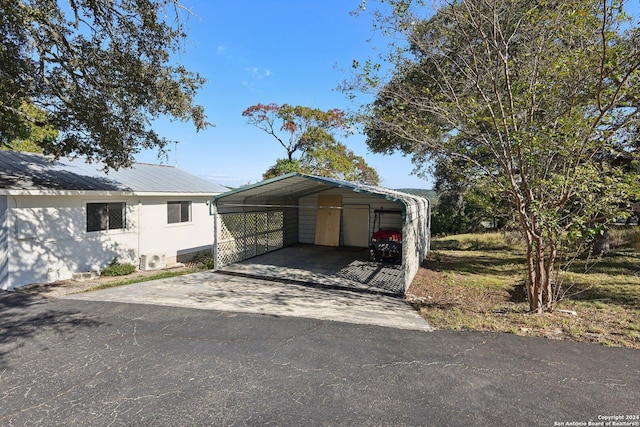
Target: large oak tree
538, 99
99, 72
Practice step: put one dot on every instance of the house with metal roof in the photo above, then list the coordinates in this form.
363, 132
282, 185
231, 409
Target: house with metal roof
298, 210
64, 217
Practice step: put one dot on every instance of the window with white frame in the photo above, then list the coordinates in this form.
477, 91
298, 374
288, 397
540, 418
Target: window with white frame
178, 212
106, 216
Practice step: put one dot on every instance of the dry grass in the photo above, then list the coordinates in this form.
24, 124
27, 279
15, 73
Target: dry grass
66, 287
474, 282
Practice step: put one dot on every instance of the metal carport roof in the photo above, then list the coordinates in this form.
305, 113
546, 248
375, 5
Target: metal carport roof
286, 189
243, 228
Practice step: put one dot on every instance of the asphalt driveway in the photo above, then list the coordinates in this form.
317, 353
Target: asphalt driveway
99, 363
224, 292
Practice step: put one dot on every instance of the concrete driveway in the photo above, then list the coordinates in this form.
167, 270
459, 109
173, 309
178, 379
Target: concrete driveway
225, 292
339, 267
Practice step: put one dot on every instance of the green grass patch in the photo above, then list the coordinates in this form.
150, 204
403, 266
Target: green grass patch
474, 282
477, 242
138, 279
628, 237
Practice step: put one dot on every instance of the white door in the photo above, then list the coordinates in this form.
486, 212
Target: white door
328, 220
355, 225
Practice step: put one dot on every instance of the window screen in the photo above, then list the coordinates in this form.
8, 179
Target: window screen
178, 212
105, 216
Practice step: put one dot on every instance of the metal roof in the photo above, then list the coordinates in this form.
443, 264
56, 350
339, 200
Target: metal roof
289, 188
20, 172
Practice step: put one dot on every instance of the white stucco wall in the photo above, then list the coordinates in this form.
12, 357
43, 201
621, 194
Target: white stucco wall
44, 238
175, 240
47, 238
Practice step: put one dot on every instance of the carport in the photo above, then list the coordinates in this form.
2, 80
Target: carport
320, 228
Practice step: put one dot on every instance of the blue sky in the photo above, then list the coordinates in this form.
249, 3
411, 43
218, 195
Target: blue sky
263, 51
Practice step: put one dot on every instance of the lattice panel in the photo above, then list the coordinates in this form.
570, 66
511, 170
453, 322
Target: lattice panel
275, 240
245, 235
231, 226
274, 236
228, 253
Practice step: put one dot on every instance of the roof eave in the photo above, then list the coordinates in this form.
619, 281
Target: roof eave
256, 185
175, 193
50, 192
120, 193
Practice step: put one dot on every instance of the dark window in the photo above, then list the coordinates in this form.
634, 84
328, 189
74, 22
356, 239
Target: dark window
105, 216
178, 212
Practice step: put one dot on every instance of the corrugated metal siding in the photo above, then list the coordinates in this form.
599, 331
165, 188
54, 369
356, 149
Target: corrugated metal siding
297, 194
307, 218
416, 241
290, 226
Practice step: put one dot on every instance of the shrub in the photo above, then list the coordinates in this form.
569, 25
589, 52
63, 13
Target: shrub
205, 259
116, 268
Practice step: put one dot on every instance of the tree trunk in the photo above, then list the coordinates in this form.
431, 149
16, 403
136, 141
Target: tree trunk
601, 245
531, 295
550, 296
539, 267
539, 290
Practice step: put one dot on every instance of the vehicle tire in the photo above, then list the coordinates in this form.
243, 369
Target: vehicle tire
373, 254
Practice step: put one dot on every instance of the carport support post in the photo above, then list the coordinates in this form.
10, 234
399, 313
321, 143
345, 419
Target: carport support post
216, 234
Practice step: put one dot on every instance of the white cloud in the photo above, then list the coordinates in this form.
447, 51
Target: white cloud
258, 73
220, 49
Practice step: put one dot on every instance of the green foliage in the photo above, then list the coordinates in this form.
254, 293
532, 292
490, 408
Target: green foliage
465, 203
36, 131
467, 210
87, 78
205, 259
284, 166
330, 158
534, 105
307, 135
116, 268
295, 127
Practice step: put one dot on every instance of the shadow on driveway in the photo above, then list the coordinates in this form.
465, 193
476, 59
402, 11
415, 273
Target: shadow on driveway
23, 316
338, 267
236, 293
152, 365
